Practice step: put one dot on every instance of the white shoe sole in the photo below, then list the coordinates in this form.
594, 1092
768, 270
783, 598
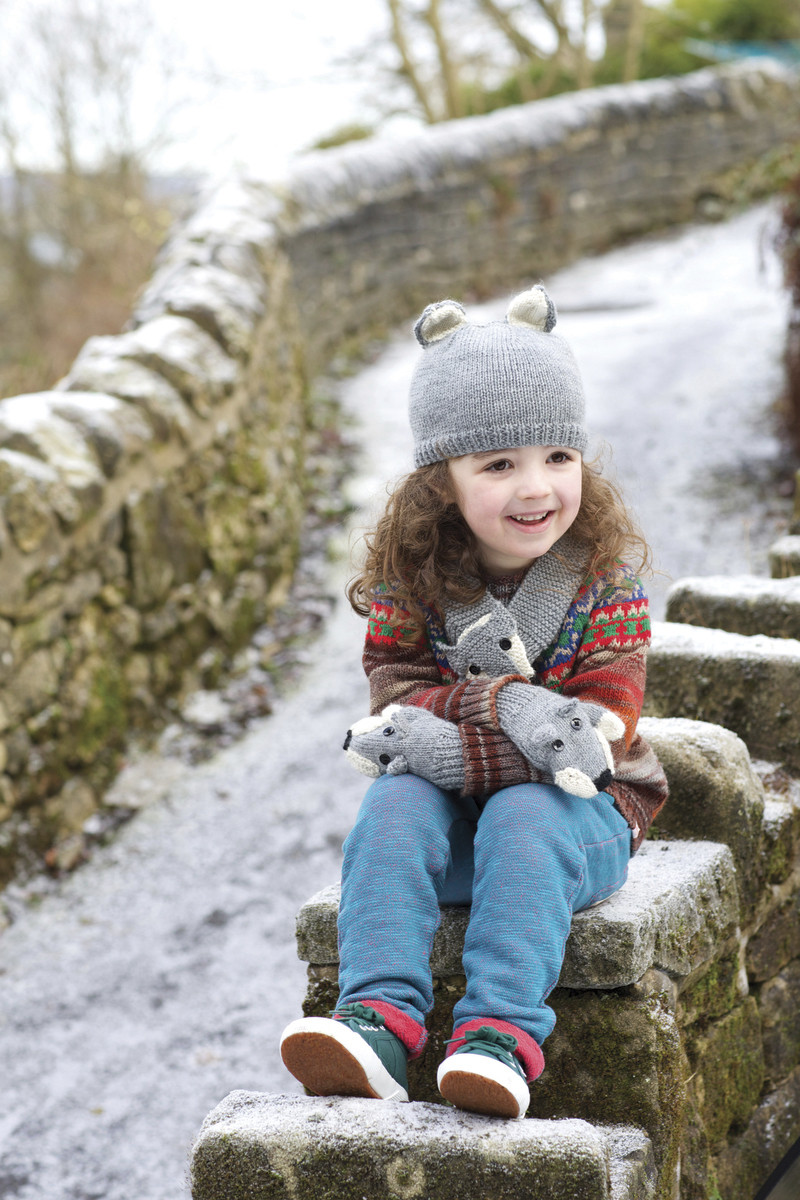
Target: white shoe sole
484, 1085
331, 1060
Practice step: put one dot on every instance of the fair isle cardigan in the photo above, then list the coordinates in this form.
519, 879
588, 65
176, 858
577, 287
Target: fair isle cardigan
599, 656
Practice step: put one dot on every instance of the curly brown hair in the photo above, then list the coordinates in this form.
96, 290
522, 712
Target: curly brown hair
423, 550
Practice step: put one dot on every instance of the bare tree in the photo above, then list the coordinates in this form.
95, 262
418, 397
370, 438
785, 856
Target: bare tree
538, 40
78, 227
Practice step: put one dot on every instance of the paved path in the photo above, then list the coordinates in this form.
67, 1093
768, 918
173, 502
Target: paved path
138, 992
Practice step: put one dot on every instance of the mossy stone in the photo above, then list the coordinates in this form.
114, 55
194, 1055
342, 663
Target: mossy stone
776, 942
714, 792
615, 1059
727, 1060
779, 1008
744, 1165
714, 989
166, 544
302, 1148
103, 720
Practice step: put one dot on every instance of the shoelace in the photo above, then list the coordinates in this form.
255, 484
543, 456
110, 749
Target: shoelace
361, 1012
489, 1041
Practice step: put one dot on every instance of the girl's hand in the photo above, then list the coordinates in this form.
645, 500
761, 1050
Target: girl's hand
566, 740
407, 739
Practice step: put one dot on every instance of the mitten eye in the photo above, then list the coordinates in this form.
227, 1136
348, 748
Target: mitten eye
576, 723
388, 731
474, 670
505, 643
385, 759
558, 744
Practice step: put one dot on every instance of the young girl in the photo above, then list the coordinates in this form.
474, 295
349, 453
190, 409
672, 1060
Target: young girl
501, 515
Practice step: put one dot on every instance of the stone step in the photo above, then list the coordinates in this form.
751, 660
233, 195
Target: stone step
715, 795
784, 556
748, 684
308, 1148
747, 604
679, 901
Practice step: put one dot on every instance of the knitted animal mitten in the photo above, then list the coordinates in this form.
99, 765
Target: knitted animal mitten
566, 740
487, 645
403, 738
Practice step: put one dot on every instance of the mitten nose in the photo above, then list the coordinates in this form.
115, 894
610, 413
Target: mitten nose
348, 739
602, 781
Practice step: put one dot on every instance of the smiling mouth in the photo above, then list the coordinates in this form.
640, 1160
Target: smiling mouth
535, 520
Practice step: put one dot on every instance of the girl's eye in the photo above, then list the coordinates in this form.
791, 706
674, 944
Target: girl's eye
560, 456
500, 465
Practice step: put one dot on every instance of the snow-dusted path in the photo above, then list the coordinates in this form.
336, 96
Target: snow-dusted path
157, 978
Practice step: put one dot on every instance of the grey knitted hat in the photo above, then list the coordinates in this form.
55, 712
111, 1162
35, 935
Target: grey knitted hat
488, 387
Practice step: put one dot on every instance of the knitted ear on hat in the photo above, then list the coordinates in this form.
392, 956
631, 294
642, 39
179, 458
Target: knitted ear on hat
533, 308
438, 321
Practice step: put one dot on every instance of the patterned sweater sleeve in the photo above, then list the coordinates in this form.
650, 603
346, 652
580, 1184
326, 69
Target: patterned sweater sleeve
609, 668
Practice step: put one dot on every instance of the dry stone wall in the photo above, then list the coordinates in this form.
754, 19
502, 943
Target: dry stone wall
150, 503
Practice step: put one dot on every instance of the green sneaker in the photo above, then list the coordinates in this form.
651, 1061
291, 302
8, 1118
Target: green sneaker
485, 1075
353, 1055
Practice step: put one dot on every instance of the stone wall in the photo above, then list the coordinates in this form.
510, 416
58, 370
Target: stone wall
150, 504
150, 511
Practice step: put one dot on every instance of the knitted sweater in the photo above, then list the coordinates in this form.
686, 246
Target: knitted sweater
598, 656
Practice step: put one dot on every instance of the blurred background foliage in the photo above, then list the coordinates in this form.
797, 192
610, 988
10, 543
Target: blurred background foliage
444, 59
77, 235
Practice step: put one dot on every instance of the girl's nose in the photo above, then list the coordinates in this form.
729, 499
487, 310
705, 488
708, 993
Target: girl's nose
533, 483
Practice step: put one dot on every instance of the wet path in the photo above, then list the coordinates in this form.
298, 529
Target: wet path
156, 979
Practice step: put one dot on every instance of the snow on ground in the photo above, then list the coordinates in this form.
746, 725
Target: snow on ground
145, 987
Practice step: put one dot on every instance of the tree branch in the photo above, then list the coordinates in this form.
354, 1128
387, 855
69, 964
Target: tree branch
502, 19
452, 93
408, 67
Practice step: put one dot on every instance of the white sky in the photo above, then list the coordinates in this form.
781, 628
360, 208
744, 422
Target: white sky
281, 89
290, 48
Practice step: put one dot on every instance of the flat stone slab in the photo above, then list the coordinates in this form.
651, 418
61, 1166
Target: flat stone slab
255, 1146
747, 604
748, 684
679, 901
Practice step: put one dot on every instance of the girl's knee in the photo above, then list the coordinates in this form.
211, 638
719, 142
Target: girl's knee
527, 803
400, 805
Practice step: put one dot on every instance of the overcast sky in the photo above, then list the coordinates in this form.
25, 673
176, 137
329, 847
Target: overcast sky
281, 57
278, 86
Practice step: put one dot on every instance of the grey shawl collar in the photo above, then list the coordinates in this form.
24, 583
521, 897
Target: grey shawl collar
540, 604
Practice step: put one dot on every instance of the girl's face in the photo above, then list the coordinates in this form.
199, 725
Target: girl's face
518, 502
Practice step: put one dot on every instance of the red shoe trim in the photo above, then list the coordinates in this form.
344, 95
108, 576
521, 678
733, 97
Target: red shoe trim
411, 1033
528, 1051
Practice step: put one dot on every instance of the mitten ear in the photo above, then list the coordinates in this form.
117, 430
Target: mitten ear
367, 725
439, 321
533, 308
611, 726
